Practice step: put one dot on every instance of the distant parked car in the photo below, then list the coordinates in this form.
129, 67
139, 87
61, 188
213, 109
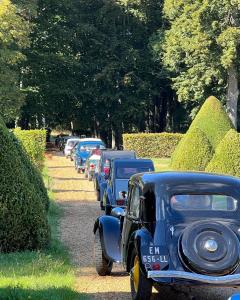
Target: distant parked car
90, 166
104, 167
84, 150
179, 229
73, 152
116, 191
70, 143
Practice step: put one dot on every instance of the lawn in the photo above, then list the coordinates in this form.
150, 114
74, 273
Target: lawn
42, 275
161, 164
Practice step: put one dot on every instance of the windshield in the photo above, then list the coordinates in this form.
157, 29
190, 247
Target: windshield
203, 202
120, 186
87, 146
126, 172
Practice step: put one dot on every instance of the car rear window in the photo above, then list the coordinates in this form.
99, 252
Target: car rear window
126, 172
204, 202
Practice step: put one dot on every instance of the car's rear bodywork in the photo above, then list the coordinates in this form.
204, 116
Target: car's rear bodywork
183, 227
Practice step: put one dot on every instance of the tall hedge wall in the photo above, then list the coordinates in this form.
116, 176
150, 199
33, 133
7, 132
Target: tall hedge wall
34, 142
152, 144
227, 156
23, 217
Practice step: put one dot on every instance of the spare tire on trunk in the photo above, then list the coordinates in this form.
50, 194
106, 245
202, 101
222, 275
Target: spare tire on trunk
209, 248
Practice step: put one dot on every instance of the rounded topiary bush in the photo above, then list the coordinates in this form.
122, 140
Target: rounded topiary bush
213, 120
193, 152
226, 159
23, 217
33, 173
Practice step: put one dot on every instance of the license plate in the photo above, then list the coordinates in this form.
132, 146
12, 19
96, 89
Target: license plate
155, 254
155, 259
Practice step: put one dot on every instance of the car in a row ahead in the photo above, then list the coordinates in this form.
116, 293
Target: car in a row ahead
179, 229
116, 187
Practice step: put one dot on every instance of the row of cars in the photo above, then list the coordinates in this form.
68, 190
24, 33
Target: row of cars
166, 229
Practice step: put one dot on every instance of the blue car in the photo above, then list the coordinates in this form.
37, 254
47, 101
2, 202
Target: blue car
84, 150
102, 170
121, 170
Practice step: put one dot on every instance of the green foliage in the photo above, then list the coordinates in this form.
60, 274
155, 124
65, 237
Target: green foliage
40, 275
202, 42
226, 159
34, 174
34, 142
13, 40
213, 120
23, 218
193, 152
152, 144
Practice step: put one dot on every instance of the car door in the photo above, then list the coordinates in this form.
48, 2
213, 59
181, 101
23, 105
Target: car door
131, 220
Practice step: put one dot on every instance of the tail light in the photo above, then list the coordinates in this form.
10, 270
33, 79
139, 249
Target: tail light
156, 267
92, 166
106, 168
120, 202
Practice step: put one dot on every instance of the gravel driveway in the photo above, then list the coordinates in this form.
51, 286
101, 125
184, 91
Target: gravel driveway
77, 198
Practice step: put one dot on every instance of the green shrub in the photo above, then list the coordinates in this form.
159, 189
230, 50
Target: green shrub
226, 159
194, 152
33, 173
152, 144
23, 217
213, 120
214, 123
34, 142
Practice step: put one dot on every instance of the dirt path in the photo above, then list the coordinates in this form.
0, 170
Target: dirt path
77, 198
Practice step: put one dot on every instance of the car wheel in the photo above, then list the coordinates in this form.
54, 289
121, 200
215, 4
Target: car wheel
108, 210
141, 287
90, 178
78, 170
98, 195
71, 158
86, 175
209, 248
103, 265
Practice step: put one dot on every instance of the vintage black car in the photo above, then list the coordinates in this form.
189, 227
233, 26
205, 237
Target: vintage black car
178, 229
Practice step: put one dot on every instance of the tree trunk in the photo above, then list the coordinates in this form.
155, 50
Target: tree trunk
232, 94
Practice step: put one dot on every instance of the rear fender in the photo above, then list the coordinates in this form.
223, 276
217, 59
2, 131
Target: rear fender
110, 234
140, 238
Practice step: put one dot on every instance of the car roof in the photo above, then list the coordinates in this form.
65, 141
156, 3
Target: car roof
91, 140
109, 154
132, 161
74, 139
190, 182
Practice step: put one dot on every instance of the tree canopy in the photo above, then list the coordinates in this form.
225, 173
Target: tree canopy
201, 50
13, 39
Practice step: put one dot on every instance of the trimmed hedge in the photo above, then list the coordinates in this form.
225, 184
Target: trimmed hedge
194, 152
214, 123
34, 142
33, 173
23, 217
213, 120
227, 156
152, 144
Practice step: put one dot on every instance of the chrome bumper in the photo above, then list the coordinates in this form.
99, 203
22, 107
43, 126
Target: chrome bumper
233, 279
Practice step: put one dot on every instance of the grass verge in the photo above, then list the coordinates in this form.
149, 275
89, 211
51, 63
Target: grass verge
41, 275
